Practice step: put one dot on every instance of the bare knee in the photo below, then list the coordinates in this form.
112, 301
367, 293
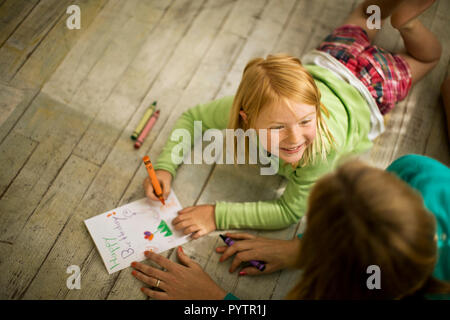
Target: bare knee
438, 52
434, 55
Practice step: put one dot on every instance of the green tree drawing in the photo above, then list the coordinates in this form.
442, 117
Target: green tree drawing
164, 229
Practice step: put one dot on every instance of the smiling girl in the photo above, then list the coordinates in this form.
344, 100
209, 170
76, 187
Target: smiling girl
329, 107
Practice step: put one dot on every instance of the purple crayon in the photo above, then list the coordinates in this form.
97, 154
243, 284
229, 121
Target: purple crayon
257, 264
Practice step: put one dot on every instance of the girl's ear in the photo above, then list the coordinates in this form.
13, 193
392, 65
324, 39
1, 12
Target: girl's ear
243, 116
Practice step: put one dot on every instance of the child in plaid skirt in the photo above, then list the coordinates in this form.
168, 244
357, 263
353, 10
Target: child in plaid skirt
387, 76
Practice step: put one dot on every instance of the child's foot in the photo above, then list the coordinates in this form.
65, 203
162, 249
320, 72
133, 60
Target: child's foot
407, 12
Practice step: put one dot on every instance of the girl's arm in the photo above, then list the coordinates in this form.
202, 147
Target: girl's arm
274, 214
213, 114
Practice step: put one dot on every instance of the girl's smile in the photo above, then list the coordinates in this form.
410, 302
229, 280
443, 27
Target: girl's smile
292, 150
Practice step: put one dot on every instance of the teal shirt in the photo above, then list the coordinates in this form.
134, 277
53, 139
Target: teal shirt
432, 179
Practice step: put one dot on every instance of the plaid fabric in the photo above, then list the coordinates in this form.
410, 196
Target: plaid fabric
386, 75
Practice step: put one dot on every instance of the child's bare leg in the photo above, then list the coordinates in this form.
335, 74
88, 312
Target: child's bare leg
359, 16
423, 49
445, 92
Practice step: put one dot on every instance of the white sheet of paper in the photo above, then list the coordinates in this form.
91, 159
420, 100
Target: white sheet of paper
123, 234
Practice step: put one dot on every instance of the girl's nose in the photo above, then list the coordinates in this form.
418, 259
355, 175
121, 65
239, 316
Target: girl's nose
294, 134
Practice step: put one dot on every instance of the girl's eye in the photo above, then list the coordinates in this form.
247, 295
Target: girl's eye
305, 122
277, 128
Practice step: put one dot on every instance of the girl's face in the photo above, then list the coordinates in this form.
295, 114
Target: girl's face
296, 129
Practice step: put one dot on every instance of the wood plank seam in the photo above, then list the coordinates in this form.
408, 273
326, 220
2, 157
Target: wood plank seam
19, 171
286, 23
63, 227
45, 192
83, 158
314, 28
200, 9
20, 116
62, 59
36, 46
19, 24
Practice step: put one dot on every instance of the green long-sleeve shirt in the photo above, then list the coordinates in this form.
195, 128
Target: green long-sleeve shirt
349, 123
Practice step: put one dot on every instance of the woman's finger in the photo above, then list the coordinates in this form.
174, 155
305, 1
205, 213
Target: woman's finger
148, 280
149, 271
251, 271
155, 294
184, 259
240, 236
221, 249
228, 252
160, 260
242, 256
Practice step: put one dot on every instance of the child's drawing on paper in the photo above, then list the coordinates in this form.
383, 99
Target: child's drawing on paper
151, 213
152, 249
169, 204
123, 234
148, 235
163, 228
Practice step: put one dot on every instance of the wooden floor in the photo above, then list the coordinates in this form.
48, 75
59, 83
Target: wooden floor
69, 100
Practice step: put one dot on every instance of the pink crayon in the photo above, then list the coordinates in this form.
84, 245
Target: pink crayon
146, 130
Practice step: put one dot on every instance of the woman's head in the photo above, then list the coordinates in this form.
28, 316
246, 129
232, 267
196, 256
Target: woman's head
360, 216
278, 94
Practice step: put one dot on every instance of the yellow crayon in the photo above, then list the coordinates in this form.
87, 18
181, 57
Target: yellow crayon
143, 121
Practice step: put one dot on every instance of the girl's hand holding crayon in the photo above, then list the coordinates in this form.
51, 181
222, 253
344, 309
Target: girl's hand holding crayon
164, 178
198, 220
277, 254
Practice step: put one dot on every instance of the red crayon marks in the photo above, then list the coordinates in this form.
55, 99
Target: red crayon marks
169, 204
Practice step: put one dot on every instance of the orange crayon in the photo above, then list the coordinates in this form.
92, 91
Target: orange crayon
153, 179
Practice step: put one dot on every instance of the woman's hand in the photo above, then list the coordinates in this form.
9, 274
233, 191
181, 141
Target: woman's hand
199, 220
277, 254
164, 178
181, 282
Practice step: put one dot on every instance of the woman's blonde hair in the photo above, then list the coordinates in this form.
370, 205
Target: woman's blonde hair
360, 216
275, 80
